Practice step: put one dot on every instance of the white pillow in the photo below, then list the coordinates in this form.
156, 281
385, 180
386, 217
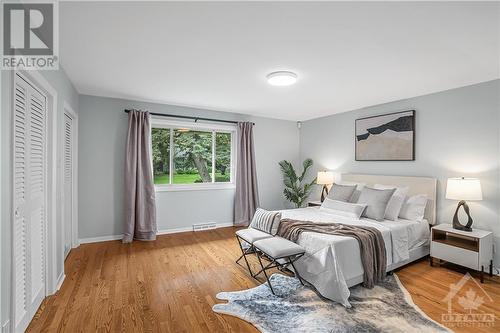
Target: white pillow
414, 208
396, 202
342, 208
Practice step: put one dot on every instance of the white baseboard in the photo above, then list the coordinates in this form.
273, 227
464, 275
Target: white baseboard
6, 327
99, 239
225, 225
60, 281
160, 232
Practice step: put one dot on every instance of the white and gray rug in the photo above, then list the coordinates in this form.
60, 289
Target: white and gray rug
386, 308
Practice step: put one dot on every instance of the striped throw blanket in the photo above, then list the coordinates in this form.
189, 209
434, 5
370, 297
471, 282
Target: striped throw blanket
370, 240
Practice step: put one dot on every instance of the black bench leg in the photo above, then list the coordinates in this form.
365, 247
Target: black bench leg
295, 271
238, 260
267, 267
265, 273
244, 256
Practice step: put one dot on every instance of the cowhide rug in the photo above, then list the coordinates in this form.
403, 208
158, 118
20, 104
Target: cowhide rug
386, 308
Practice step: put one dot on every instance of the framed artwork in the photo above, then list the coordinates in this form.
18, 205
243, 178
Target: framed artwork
387, 137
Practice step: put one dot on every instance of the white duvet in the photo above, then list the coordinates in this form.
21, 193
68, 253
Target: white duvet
333, 263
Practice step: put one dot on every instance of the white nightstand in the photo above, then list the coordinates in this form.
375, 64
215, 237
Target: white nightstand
473, 250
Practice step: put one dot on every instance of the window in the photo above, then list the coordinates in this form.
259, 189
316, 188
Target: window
192, 156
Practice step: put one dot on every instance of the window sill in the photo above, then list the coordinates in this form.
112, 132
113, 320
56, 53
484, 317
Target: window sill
197, 187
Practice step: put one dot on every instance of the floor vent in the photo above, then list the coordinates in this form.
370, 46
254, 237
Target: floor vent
204, 226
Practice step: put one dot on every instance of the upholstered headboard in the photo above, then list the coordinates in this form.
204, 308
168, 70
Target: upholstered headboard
416, 185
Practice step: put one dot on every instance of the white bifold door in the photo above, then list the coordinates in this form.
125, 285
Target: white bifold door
68, 182
29, 229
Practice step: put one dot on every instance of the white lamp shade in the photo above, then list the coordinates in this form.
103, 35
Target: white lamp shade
325, 178
464, 189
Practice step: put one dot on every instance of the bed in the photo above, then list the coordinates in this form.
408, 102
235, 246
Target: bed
332, 263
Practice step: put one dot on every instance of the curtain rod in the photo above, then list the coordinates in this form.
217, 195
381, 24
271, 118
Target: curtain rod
190, 117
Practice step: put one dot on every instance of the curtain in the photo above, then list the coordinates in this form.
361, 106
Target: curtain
246, 199
140, 209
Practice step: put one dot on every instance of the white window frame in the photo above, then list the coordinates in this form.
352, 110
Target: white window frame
160, 122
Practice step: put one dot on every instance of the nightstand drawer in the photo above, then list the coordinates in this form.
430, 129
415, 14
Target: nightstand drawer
456, 255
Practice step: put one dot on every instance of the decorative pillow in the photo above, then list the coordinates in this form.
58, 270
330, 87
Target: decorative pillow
266, 221
341, 192
355, 196
376, 202
414, 208
357, 192
346, 209
396, 201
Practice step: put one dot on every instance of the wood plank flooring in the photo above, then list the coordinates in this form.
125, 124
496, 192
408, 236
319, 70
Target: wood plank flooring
170, 285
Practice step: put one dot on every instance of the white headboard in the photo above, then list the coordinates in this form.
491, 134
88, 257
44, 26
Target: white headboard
416, 185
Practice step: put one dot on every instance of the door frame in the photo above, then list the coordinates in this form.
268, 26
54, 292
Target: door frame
39, 82
67, 109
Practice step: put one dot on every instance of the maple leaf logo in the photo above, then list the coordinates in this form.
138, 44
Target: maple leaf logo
471, 301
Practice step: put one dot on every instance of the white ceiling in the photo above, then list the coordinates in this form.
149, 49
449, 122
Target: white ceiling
216, 55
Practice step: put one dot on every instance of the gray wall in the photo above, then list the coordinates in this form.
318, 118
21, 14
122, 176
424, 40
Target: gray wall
457, 134
102, 135
66, 93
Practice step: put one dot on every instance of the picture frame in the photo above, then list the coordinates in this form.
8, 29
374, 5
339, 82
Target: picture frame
385, 137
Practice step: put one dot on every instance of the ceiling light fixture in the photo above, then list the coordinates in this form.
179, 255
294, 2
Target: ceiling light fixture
281, 78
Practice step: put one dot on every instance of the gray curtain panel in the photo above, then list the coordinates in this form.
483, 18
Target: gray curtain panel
140, 209
246, 199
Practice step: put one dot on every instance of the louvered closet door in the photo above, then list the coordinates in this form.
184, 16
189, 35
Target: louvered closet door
30, 109
68, 182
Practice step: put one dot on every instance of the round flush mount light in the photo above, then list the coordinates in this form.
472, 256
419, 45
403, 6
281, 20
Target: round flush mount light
281, 78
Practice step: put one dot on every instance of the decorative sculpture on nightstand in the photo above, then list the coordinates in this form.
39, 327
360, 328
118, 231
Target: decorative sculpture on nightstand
456, 222
463, 189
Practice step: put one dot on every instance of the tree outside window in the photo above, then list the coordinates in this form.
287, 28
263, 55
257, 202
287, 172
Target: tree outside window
193, 159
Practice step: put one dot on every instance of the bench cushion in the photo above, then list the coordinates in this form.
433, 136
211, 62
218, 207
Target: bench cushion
251, 235
278, 247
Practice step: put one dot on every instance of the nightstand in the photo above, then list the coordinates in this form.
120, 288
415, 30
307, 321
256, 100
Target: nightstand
473, 249
313, 203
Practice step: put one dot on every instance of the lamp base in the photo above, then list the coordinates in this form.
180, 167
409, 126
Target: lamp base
456, 223
324, 193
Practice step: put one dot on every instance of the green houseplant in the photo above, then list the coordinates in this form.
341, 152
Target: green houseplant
296, 190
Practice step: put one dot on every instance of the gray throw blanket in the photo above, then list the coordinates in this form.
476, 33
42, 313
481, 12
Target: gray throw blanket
371, 243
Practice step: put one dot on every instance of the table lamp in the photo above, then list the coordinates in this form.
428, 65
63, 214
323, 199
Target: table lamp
463, 189
324, 178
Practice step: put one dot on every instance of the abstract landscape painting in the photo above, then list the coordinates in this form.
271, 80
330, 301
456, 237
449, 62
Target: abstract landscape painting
388, 137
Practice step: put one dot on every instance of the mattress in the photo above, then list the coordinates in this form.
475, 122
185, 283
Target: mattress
332, 260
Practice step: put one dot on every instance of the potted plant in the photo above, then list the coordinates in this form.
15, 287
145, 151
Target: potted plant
296, 190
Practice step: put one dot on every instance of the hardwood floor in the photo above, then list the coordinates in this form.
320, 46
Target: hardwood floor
170, 285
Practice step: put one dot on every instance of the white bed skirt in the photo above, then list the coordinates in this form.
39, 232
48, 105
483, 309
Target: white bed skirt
415, 254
